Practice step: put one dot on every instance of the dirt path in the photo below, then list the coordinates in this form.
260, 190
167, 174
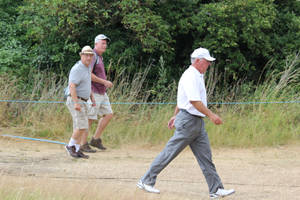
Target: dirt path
265, 173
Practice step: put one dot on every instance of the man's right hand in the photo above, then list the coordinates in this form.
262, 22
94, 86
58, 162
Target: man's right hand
171, 122
77, 107
108, 84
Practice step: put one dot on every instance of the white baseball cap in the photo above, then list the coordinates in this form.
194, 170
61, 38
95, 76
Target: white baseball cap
202, 53
86, 50
101, 37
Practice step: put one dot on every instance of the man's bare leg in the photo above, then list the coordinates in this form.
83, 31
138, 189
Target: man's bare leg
102, 123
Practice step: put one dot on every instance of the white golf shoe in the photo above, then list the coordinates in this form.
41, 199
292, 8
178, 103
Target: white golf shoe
147, 188
221, 193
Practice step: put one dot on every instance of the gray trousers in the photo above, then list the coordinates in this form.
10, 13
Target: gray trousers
190, 130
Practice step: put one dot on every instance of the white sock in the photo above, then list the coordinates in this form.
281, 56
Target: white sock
77, 146
72, 142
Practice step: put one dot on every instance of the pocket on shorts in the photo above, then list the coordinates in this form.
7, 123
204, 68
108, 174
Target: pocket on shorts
82, 113
92, 110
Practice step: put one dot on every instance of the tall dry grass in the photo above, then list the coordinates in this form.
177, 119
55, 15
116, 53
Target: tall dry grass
244, 125
131, 121
263, 124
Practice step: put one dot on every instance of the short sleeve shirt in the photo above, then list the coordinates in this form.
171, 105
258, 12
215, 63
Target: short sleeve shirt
80, 75
99, 71
191, 87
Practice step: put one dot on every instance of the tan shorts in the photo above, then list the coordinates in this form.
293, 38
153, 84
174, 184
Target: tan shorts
80, 118
102, 106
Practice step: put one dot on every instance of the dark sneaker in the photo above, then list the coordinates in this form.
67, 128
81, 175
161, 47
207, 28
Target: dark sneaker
97, 143
86, 148
82, 155
72, 151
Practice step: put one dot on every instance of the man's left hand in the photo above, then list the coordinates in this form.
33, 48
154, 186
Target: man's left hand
216, 119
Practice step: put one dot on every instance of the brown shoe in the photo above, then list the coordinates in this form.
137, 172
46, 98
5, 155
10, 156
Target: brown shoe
82, 155
97, 143
86, 148
72, 151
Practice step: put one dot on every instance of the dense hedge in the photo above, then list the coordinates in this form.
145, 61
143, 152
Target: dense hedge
244, 35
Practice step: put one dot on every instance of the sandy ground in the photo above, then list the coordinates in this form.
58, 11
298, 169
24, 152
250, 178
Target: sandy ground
259, 173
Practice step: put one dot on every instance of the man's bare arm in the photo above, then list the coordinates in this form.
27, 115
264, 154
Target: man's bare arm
104, 82
73, 93
203, 109
172, 120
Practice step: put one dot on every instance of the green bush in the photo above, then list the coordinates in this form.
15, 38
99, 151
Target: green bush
244, 36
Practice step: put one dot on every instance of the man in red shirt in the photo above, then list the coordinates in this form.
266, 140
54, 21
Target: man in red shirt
99, 85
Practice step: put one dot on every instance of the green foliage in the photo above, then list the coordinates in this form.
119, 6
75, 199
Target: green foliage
235, 31
286, 38
55, 31
149, 28
13, 54
162, 87
243, 35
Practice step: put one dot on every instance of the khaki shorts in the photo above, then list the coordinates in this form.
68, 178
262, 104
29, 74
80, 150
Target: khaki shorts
102, 106
80, 118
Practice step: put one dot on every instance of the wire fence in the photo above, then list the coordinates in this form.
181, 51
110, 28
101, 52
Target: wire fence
154, 103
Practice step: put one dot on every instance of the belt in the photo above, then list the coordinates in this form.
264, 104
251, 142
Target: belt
191, 114
83, 99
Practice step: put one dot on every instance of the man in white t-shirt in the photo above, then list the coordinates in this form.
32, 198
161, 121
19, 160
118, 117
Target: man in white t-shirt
190, 128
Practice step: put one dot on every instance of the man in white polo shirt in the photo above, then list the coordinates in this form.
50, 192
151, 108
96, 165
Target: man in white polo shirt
190, 128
